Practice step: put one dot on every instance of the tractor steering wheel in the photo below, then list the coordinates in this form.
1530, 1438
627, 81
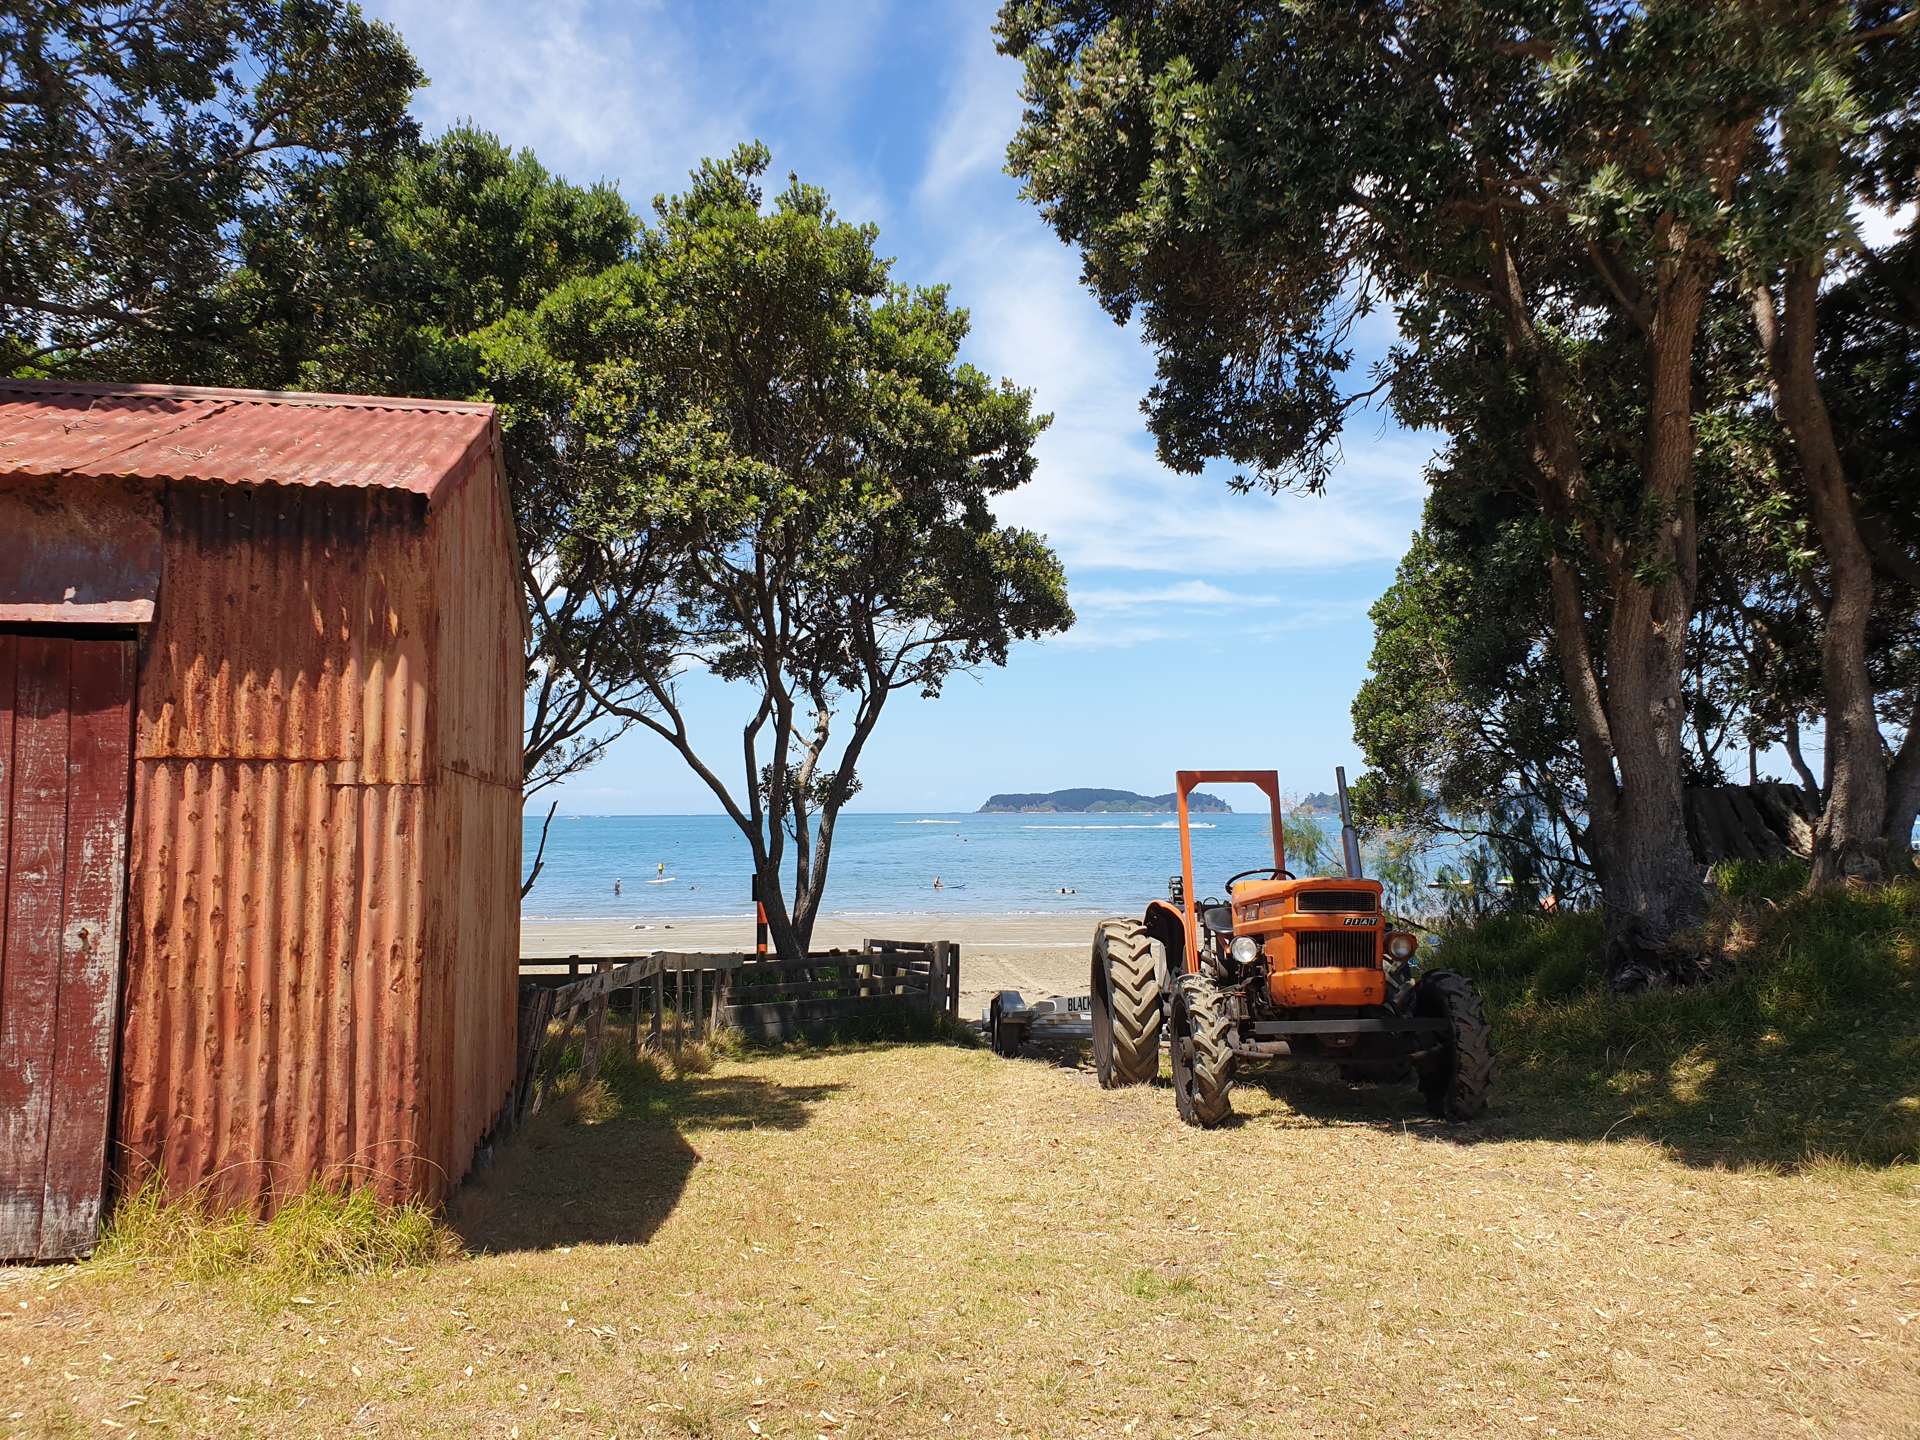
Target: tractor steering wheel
1274, 871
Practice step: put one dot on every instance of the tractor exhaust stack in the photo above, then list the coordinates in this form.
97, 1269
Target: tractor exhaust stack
1349, 842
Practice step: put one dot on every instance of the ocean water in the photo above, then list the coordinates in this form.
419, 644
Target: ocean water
699, 865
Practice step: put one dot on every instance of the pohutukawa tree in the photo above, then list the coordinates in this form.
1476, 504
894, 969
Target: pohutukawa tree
784, 480
1250, 180
1844, 135
136, 139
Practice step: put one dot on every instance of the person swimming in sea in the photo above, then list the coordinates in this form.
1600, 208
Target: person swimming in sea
936, 883
616, 887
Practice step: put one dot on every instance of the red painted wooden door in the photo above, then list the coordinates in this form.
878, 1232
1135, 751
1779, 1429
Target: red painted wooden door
66, 732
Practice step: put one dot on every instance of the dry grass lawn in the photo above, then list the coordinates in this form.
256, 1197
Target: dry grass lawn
926, 1240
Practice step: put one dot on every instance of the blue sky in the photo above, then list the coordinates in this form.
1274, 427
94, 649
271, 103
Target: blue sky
1215, 630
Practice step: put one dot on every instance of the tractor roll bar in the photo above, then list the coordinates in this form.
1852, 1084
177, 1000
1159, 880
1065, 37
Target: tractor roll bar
1185, 781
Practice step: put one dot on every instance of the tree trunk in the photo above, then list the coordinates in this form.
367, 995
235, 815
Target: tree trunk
1850, 842
1903, 802
1798, 757
1656, 891
782, 933
1630, 719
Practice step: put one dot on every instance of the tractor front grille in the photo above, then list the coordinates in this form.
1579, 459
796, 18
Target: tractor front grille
1319, 902
1329, 949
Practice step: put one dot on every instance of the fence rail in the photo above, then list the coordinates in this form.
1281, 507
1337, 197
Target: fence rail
764, 998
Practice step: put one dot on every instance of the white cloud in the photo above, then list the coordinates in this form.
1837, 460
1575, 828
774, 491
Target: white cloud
982, 112
1100, 494
1189, 592
594, 99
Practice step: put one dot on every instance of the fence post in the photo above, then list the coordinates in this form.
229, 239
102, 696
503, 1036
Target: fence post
699, 1002
596, 1031
679, 1003
953, 979
937, 977
659, 1005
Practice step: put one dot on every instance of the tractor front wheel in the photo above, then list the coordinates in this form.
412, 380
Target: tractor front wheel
1126, 1004
1202, 1057
1456, 1081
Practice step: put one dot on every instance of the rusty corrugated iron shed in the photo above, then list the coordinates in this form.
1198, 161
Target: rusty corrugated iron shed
52, 429
322, 896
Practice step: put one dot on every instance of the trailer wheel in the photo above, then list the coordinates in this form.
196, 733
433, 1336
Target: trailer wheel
1457, 1082
1126, 1004
1202, 1059
1006, 1036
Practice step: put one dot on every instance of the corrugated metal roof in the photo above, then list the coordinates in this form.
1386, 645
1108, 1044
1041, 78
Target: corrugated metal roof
50, 429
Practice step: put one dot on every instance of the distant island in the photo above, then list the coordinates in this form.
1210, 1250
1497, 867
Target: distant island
1100, 802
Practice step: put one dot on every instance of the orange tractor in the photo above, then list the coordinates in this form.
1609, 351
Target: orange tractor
1283, 969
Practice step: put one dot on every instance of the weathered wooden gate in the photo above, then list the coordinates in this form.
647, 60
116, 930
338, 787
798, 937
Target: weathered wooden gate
66, 728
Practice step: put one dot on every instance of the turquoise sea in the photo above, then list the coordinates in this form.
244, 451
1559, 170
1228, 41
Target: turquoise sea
886, 864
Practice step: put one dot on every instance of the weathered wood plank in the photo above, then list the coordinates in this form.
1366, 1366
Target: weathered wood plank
795, 1018
596, 1029
536, 1011
826, 990
100, 772
575, 993
35, 881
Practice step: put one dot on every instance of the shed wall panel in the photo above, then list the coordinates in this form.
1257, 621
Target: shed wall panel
473, 997
479, 654
295, 625
474, 859
275, 964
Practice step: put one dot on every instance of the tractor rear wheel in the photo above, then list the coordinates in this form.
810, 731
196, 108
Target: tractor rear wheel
1202, 1058
1457, 1081
1126, 1004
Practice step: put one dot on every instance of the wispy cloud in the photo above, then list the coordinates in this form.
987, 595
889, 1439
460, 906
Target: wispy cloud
593, 98
981, 113
1100, 494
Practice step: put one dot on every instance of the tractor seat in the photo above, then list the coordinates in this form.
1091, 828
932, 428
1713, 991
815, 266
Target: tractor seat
1218, 919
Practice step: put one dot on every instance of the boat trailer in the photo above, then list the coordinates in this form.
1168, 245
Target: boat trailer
1010, 1022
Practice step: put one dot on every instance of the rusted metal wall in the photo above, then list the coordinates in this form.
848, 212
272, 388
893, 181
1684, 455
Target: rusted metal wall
277, 936
322, 905
473, 862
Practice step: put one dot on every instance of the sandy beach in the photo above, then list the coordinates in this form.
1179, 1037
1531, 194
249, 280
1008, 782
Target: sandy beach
1034, 954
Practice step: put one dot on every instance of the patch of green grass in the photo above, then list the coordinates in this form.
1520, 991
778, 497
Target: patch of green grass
1778, 880
1809, 1046
325, 1233
1153, 1285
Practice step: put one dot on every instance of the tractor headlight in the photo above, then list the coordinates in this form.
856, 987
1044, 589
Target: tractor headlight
1401, 945
1245, 950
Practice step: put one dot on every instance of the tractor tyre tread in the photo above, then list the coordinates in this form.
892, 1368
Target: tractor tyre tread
1206, 1099
1126, 984
1457, 1089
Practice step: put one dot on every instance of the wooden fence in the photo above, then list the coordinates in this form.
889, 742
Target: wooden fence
684, 995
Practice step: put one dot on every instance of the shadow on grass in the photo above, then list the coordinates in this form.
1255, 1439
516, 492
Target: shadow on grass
1807, 1049
615, 1180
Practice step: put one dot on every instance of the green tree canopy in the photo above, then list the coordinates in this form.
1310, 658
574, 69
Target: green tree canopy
1552, 196
783, 476
137, 140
